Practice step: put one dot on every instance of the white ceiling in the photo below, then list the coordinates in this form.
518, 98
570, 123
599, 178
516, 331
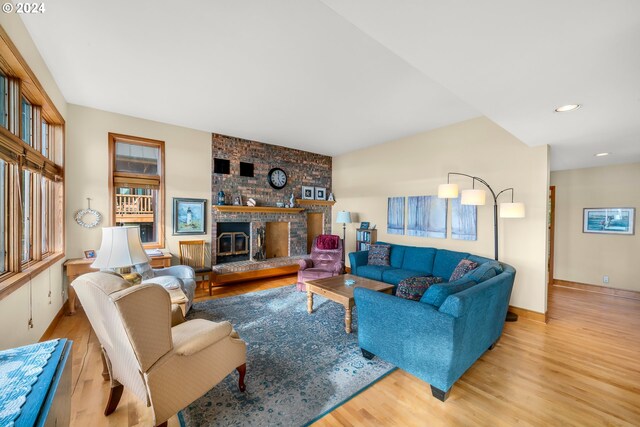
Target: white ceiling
333, 76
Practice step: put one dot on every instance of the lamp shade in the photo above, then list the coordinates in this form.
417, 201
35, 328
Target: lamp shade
343, 217
473, 197
512, 210
448, 191
121, 247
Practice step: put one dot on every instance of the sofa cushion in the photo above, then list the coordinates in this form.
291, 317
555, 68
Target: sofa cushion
419, 259
373, 271
437, 294
463, 267
446, 261
397, 255
414, 287
379, 254
144, 270
484, 271
396, 275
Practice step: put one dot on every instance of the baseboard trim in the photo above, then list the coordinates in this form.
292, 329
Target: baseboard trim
622, 293
529, 314
47, 333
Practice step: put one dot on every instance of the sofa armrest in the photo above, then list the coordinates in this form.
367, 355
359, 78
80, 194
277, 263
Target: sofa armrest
305, 263
358, 259
180, 271
338, 267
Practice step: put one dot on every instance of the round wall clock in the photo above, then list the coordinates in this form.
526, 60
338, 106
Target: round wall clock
277, 178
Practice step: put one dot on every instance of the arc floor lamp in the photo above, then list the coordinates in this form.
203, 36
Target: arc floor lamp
477, 197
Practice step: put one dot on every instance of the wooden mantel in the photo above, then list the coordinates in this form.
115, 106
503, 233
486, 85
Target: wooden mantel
309, 202
257, 209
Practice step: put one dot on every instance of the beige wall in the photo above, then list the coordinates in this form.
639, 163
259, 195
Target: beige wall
586, 258
14, 308
364, 179
187, 164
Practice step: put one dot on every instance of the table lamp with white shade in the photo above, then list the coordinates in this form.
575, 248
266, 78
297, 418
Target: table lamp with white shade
120, 250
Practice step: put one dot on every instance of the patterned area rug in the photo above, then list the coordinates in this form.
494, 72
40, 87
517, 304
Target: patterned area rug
299, 365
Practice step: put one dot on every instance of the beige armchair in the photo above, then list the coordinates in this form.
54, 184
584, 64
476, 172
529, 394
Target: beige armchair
167, 364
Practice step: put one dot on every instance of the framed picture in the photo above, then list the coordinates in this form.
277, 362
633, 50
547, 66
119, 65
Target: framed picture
189, 216
308, 193
609, 220
237, 200
91, 253
364, 225
321, 193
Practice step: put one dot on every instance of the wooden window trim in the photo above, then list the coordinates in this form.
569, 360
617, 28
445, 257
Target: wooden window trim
20, 155
138, 179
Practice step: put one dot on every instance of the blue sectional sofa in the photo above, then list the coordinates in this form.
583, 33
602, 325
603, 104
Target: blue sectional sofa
439, 337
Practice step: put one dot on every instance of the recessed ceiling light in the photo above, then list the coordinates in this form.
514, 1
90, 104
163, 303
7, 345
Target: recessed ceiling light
601, 154
569, 107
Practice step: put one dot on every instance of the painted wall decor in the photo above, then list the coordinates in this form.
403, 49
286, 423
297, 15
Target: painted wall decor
427, 217
189, 216
395, 215
609, 220
464, 221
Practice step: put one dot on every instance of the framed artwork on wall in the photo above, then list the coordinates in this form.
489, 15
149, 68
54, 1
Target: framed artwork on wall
308, 193
321, 193
189, 216
609, 220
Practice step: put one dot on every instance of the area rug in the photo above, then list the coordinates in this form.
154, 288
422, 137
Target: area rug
299, 366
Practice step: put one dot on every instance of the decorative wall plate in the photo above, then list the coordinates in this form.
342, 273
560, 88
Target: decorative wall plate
88, 218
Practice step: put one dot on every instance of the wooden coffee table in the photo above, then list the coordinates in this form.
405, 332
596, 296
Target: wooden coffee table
334, 289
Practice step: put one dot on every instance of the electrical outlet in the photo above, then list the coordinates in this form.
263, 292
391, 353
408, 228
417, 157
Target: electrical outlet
605, 279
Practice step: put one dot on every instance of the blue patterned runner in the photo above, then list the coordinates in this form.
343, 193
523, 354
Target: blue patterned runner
19, 370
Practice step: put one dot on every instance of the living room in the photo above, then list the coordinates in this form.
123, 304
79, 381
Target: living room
387, 122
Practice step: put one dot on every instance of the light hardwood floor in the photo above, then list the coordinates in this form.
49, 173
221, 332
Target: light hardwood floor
581, 369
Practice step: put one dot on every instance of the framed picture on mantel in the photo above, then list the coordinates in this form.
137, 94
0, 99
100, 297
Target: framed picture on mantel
189, 216
308, 193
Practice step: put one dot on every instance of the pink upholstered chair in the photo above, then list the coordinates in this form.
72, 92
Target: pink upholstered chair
325, 260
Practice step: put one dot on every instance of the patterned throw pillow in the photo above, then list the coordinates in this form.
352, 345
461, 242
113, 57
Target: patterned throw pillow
464, 266
379, 255
414, 287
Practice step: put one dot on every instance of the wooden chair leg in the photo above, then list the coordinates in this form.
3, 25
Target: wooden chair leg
210, 284
114, 398
242, 370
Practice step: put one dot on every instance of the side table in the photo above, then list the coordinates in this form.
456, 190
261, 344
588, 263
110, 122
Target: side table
78, 266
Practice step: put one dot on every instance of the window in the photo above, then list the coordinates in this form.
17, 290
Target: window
137, 180
3, 215
31, 174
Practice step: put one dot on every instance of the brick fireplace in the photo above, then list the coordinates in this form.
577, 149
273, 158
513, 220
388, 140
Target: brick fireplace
285, 231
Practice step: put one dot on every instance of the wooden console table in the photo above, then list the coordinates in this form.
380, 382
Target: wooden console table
78, 266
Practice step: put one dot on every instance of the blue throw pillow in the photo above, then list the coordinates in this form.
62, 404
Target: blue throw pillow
437, 294
484, 272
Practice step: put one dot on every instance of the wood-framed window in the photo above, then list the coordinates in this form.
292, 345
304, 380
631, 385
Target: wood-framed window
136, 169
31, 173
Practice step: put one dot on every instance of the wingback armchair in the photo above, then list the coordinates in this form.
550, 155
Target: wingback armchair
321, 263
166, 364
